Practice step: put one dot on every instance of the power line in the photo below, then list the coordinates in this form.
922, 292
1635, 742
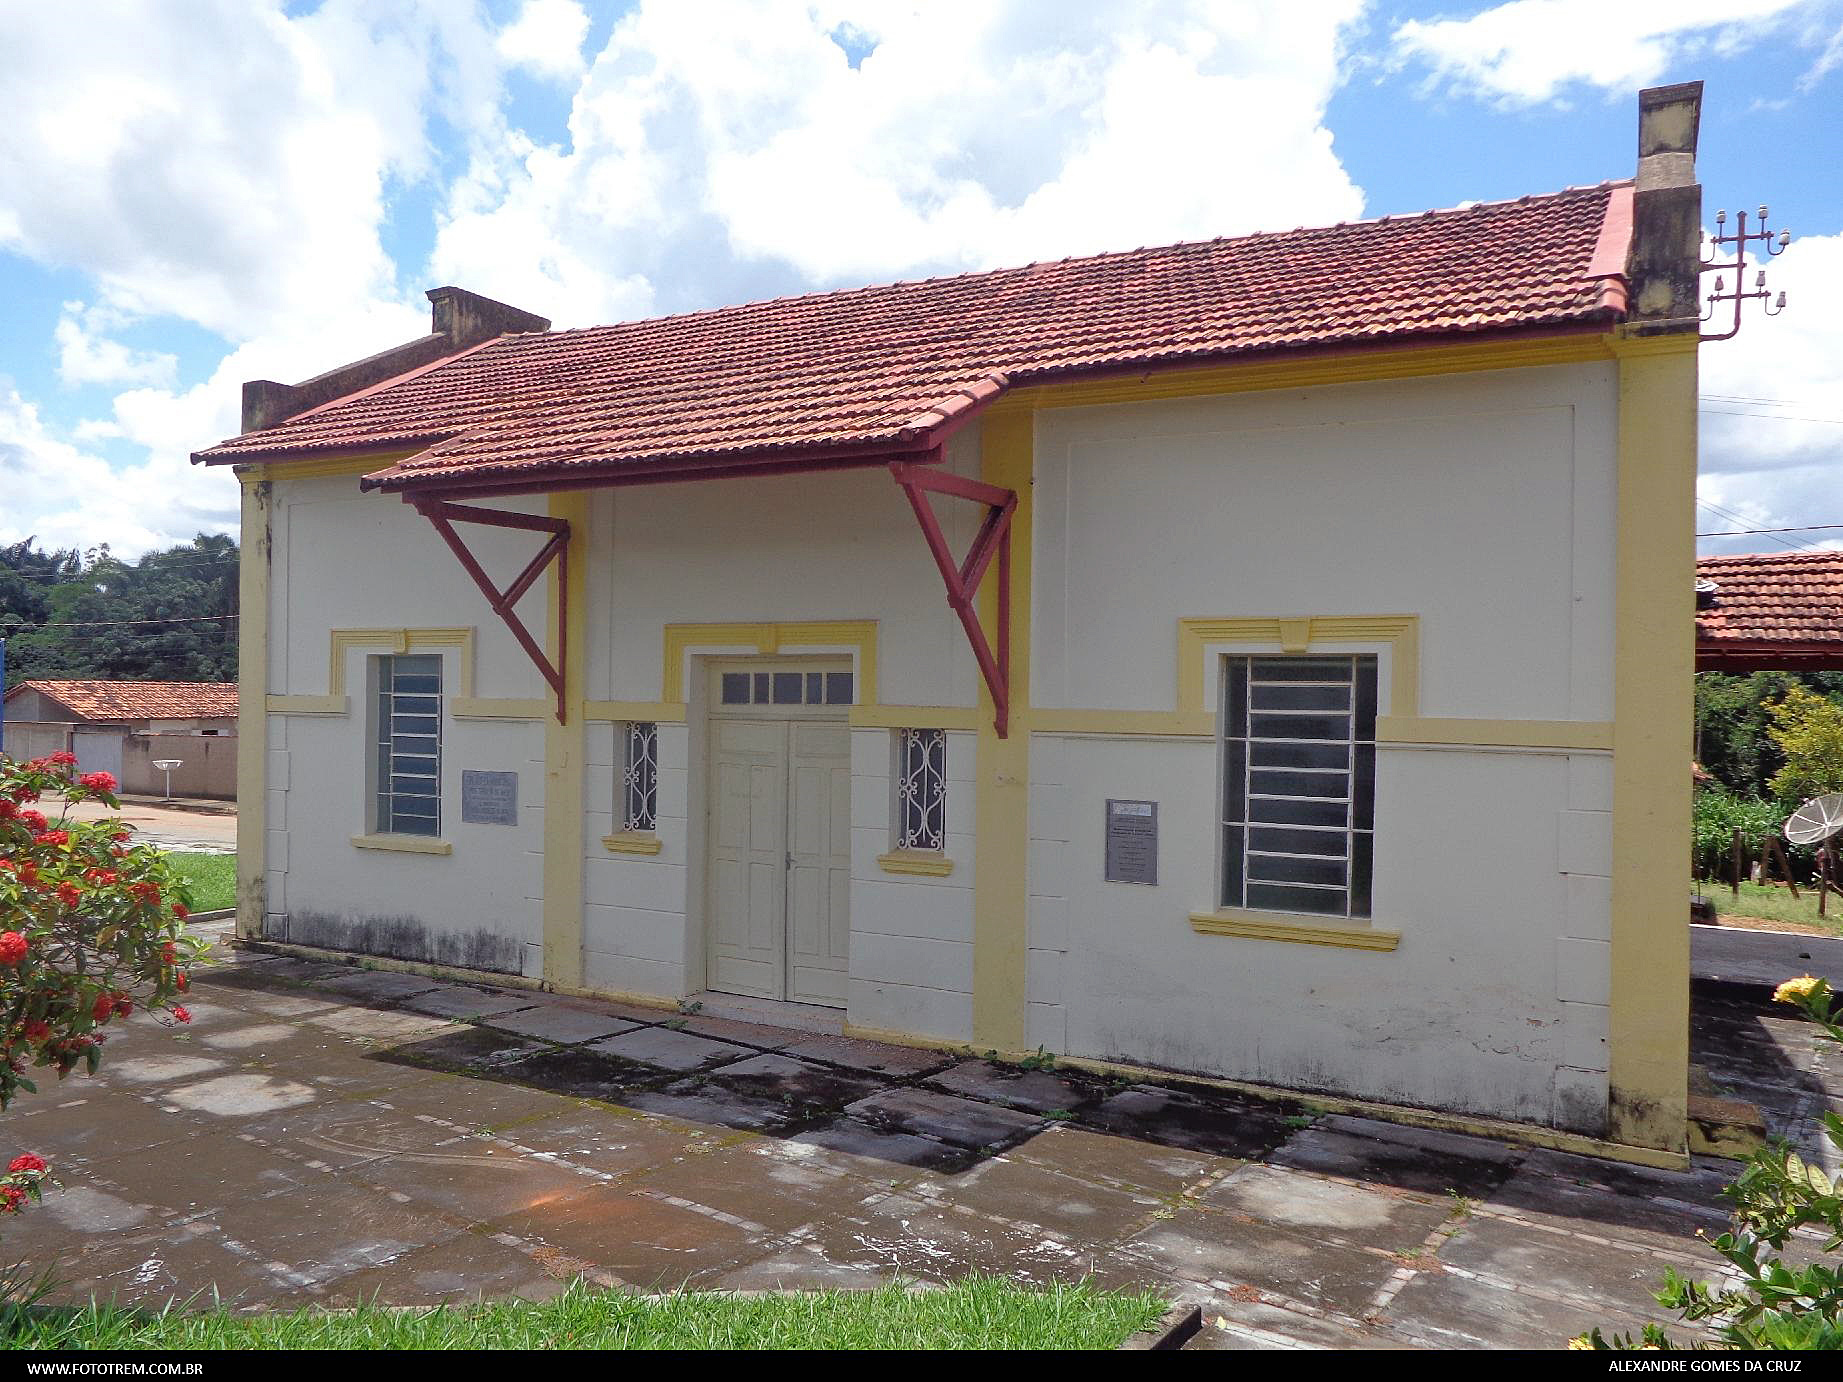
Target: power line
1773, 417
1761, 532
1734, 517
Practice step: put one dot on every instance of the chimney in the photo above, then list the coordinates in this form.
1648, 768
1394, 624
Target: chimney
459, 320
1663, 264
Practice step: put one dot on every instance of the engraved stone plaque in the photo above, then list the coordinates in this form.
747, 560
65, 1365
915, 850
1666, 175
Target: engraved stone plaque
489, 798
1132, 842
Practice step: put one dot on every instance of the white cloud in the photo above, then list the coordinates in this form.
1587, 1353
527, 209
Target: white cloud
86, 355
1772, 421
546, 38
1531, 51
722, 152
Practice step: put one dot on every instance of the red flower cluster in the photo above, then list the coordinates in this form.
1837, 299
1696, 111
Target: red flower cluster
98, 782
13, 948
26, 1161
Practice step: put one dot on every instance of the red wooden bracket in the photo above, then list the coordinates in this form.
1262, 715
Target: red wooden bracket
445, 515
962, 578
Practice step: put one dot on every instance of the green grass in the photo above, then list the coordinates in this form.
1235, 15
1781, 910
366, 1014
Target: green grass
978, 1312
1777, 904
212, 878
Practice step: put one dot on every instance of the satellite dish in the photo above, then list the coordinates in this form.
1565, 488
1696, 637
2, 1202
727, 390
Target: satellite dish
1818, 819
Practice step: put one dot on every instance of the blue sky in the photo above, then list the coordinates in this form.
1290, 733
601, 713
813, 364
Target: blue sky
205, 191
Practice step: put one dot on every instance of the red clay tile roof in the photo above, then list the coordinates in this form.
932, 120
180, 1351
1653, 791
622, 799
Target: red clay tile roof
139, 700
884, 369
1784, 597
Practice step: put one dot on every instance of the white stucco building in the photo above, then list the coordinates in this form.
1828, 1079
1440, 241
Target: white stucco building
1293, 688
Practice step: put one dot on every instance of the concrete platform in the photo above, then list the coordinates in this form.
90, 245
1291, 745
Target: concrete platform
321, 1135
1763, 959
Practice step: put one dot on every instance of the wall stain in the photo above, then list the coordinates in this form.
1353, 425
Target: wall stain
399, 938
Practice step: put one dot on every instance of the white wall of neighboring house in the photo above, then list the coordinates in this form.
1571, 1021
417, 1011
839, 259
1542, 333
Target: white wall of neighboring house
1483, 504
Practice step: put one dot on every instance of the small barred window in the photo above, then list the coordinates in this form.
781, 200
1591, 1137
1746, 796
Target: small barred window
921, 790
640, 778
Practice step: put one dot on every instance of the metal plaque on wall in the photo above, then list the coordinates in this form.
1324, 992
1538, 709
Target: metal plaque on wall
1132, 842
489, 798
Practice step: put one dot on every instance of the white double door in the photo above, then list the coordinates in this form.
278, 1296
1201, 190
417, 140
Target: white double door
780, 858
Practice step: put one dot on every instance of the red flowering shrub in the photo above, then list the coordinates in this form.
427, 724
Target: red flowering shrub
91, 926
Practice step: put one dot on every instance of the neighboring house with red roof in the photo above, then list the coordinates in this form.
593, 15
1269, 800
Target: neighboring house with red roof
1257, 658
1770, 611
124, 727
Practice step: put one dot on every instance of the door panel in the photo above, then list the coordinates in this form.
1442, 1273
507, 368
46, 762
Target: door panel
819, 880
747, 857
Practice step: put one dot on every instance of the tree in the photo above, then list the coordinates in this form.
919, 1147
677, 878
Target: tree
91, 928
1808, 730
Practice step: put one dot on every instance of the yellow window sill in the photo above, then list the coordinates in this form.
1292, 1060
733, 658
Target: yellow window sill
403, 844
915, 861
633, 842
1300, 928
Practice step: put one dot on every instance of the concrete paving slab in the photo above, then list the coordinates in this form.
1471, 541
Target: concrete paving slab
1111, 1159
1582, 1194
798, 1084
668, 1050
874, 1057
565, 1026
464, 1001
240, 1096
474, 1105
466, 1049
1447, 1310
879, 1153
470, 1178
702, 1103
1244, 1322
1223, 1126
651, 1244
964, 1122
1420, 1159
1204, 1246
1366, 1216
752, 1184
382, 985
1080, 1211
456, 1271
378, 1028
578, 1072
612, 1142
1038, 1091
753, 1034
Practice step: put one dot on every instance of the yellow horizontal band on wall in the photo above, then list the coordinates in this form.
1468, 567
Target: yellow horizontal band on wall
632, 842
628, 712
498, 708
402, 844
858, 635
1303, 930
915, 862
914, 717
1517, 734
1170, 723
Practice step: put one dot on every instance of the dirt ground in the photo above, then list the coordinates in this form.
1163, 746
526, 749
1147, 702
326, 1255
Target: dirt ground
206, 826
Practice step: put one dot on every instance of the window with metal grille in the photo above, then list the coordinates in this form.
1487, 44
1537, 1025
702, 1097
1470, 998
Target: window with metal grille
640, 778
408, 739
921, 789
1298, 783
787, 687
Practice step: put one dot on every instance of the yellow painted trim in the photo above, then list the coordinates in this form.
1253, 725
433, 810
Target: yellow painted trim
632, 842
1297, 634
1350, 367
960, 717
1286, 926
627, 712
915, 861
308, 705
399, 641
1001, 793
1653, 673
327, 467
565, 754
253, 706
403, 844
860, 635
497, 708
1524, 734
1171, 724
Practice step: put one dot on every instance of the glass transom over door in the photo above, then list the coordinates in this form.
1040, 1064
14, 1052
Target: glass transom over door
779, 873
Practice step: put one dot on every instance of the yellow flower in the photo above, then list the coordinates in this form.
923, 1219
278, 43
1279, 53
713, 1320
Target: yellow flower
1799, 989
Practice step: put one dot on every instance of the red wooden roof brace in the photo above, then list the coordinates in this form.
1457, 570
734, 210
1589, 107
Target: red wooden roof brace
445, 515
962, 578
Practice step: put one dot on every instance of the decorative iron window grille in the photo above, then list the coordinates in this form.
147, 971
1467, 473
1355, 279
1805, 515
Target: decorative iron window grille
921, 790
1299, 783
407, 720
640, 778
